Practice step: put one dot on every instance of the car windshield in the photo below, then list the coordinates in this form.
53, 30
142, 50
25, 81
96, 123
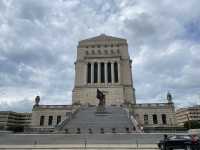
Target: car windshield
180, 137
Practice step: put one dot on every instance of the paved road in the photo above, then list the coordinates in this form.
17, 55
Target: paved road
29, 139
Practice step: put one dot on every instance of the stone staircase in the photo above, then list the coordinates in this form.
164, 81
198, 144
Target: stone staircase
87, 120
61, 125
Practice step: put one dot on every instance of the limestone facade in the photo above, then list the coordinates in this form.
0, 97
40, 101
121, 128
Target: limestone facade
155, 114
103, 62
48, 116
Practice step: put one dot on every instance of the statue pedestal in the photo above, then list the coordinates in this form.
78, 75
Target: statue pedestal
101, 110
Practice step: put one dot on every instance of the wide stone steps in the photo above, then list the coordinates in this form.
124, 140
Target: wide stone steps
115, 120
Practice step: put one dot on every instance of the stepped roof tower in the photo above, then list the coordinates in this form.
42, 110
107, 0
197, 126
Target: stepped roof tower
103, 62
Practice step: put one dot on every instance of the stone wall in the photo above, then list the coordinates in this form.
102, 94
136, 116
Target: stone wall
155, 109
115, 95
50, 110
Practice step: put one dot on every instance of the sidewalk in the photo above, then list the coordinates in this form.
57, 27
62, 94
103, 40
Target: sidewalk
83, 146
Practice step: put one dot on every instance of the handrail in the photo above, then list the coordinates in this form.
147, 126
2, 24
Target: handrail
64, 122
133, 120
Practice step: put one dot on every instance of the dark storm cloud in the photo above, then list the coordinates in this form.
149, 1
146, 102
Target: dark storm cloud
39, 38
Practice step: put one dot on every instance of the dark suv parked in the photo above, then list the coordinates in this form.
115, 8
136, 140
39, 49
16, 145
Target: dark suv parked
185, 142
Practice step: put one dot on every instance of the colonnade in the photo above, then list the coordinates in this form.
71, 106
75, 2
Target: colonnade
103, 72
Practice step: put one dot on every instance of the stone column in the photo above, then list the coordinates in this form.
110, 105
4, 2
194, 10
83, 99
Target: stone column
112, 72
92, 72
106, 72
86, 74
99, 72
119, 72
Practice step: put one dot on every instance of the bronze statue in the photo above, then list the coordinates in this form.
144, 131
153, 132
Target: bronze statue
101, 97
169, 97
37, 100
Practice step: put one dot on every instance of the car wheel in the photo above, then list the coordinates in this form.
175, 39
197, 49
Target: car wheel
188, 147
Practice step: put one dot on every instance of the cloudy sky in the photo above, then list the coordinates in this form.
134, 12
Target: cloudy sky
38, 40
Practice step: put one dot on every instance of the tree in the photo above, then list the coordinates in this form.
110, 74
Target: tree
192, 124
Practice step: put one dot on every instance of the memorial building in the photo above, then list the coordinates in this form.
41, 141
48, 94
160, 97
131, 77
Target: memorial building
103, 64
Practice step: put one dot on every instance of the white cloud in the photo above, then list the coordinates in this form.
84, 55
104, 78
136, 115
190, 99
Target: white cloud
39, 38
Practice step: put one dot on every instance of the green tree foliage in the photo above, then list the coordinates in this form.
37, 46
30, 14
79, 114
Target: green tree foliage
193, 124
